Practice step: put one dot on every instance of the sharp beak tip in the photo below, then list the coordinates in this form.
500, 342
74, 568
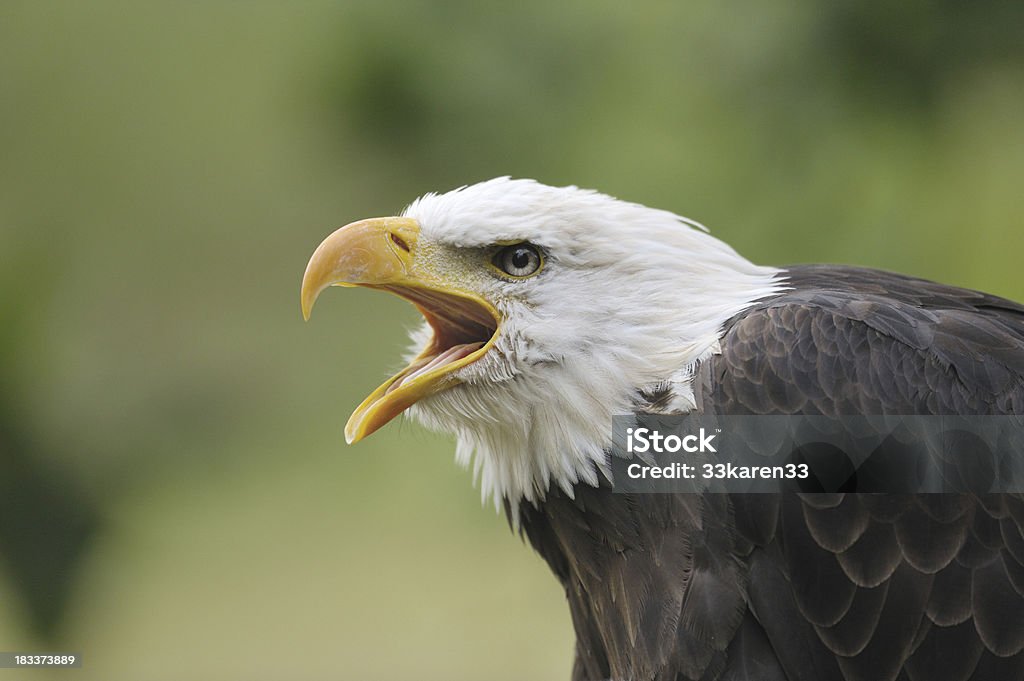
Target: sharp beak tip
352, 436
307, 298
359, 427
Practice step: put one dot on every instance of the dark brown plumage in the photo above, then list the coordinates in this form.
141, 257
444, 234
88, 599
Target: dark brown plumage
813, 587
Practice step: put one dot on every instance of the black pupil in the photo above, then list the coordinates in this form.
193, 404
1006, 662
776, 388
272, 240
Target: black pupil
521, 258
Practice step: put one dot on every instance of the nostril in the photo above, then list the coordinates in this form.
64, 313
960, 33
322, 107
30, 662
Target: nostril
399, 241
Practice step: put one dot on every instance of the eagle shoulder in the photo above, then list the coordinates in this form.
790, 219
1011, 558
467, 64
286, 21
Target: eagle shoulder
851, 587
848, 340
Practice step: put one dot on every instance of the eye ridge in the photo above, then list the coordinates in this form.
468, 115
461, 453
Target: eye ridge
519, 260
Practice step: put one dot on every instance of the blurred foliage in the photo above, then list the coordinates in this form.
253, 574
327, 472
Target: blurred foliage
45, 523
176, 500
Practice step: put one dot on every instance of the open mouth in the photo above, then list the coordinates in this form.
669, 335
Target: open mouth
464, 329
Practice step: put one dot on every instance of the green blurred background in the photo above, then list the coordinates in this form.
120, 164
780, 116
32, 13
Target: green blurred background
176, 498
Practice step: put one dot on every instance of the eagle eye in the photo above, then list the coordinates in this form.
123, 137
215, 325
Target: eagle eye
519, 260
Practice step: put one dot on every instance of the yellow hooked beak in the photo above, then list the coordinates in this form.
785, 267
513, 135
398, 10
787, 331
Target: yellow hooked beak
380, 253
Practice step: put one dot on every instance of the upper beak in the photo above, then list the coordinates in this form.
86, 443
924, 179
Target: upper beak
381, 253
375, 251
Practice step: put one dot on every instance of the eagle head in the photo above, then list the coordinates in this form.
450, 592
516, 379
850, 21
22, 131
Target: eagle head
547, 310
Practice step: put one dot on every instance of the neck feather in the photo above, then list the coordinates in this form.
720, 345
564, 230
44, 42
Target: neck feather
548, 423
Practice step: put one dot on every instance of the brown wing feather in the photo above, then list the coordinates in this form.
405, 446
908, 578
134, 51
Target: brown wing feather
921, 587
809, 587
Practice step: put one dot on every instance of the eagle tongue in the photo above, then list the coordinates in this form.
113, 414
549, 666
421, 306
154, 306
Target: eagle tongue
452, 354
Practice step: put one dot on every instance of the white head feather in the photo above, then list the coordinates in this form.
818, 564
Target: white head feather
630, 298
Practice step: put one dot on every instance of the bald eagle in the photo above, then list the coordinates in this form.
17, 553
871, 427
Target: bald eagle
548, 310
